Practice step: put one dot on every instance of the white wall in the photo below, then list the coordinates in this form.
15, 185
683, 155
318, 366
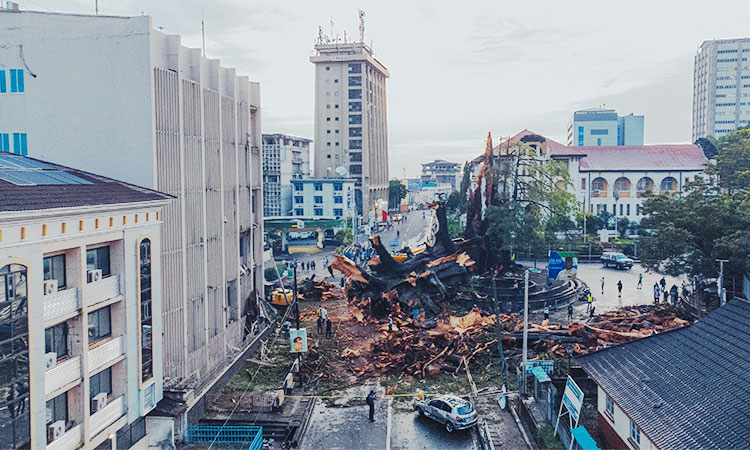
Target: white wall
620, 422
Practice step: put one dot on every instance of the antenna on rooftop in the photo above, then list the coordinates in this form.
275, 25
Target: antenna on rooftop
333, 35
203, 37
361, 26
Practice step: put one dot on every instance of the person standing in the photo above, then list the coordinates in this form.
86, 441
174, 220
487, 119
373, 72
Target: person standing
415, 315
657, 291
640, 280
591, 313
324, 313
602, 285
371, 403
546, 312
320, 325
329, 325
390, 323
665, 292
663, 284
312, 263
619, 288
570, 312
589, 302
343, 282
673, 294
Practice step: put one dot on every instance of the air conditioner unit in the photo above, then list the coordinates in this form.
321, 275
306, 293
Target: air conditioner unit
94, 275
99, 402
597, 192
51, 359
55, 430
50, 287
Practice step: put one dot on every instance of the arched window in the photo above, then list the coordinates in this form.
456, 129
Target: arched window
14, 367
645, 185
599, 187
669, 184
622, 187
146, 310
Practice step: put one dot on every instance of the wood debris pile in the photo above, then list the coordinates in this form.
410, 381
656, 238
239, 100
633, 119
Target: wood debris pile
318, 290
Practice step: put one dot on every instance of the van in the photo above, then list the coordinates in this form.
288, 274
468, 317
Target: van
617, 260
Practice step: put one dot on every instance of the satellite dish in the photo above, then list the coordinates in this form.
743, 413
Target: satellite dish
341, 170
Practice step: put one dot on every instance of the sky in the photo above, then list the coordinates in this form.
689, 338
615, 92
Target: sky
462, 69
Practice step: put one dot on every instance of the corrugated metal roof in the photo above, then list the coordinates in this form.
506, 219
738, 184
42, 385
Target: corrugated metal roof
646, 157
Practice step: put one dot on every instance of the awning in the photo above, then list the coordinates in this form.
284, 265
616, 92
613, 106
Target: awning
584, 439
540, 374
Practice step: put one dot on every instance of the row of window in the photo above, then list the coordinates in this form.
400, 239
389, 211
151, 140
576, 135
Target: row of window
15, 76
624, 211
353, 68
20, 145
57, 408
319, 187
635, 432
337, 212
622, 186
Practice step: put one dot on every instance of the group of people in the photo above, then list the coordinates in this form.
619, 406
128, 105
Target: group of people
660, 289
324, 322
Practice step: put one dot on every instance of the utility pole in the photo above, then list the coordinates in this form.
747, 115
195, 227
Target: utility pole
722, 291
294, 296
525, 329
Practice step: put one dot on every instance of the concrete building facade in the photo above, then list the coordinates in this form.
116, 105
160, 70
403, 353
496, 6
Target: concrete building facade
603, 127
183, 125
441, 171
80, 276
351, 127
324, 197
721, 87
285, 158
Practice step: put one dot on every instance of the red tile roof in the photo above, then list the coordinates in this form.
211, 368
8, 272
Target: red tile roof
647, 157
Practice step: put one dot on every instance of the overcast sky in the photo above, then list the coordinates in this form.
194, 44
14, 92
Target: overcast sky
461, 69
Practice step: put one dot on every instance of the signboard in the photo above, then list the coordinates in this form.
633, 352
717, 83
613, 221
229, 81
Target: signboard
562, 265
547, 366
573, 398
540, 374
298, 340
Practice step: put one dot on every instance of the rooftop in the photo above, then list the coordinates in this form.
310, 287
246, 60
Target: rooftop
645, 157
28, 184
685, 388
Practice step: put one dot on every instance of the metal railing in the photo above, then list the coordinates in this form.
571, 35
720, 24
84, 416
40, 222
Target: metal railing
233, 434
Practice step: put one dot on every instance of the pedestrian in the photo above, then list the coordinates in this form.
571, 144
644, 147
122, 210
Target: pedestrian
666, 293
591, 313
546, 312
570, 312
640, 280
313, 265
415, 315
328, 328
619, 288
320, 325
325, 261
324, 313
657, 291
673, 294
589, 301
390, 324
663, 284
320, 311
343, 282
602, 285
371, 403
398, 322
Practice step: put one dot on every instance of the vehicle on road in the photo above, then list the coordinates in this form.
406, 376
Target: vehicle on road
617, 260
397, 217
454, 412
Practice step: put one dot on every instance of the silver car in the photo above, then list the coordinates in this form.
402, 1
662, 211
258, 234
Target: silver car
455, 412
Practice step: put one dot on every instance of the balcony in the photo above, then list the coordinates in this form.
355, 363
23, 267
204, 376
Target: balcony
63, 374
107, 415
60, 305
105, 353
71, 439
102, 290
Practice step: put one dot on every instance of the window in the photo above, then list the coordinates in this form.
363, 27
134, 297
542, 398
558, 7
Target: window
598, 142
335, 81
337, 119
338, 212
355, 132
355, 157
56, 340
645, 185
355, 119
318, 186
583, 184
338, 187
337, 131
355, 93
328, 106
130, 435
600, 132
328, 132
299, 212
318, 199
355, 68
580, 136
355, 106
101, 382
336, 106
328, 144
599, 187
146, 311
621, 207
637, 210
669, 184
298, 187
57, 409
328, 81
355, 169
3, 85
328, 67
337, 144
299, 200
16, 80
355, 80
627, 209
318, 211
338, 199
336, 94
100, 325
610, 408
4, 141
355, 144
328, 94
54, 269
98, 258
622, 187
20, 146
328, 119
635, 433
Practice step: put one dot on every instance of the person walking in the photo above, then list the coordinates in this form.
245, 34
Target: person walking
657, 291
324, 313
546, 312
343, 282
665, 292
640, 280
415, 315
591, 313
663, 284
390, 323
371, 403
673, 294
329, 325
312, 263
619, 288
602, 285
590, 302
320, 325
570, 312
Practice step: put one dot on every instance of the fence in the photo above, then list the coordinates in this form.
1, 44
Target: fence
233, 434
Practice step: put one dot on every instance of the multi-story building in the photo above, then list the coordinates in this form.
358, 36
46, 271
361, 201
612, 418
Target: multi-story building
324, 197
285, 158
351, 129
80, 295
132, 103
721, 87
441, 171
603, 127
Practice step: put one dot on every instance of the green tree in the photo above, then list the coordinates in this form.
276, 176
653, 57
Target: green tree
463, 191
344, 236
396, 192
732, 167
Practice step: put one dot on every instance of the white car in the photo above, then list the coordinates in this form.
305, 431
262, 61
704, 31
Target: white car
455, 412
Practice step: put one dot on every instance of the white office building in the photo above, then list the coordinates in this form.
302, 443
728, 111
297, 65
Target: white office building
351, 127
114, 96
721, 87
285, 158
603, 127
324, 198
82, 352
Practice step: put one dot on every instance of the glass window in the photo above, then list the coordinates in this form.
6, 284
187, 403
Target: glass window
298, 187
355, 68
100, 325
57, 409
318, 186
16, 80
355, 169
338, 199
147, 351
338, 187
355, 93
98, 258
299, 199
645, 185
355, 132
338, 212
101, 382
355, 119
318, 211
355, 157
56, 340
355, 80
635, 433
669, 184
318, 199
355, 144
299, 212
355, 106
3, 84
599, 187
54, 269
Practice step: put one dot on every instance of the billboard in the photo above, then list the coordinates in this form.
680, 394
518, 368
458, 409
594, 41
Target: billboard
573, 398
298, 340
562, 266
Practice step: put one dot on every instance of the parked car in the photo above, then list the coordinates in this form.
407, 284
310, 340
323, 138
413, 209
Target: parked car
454, 412
617, 260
